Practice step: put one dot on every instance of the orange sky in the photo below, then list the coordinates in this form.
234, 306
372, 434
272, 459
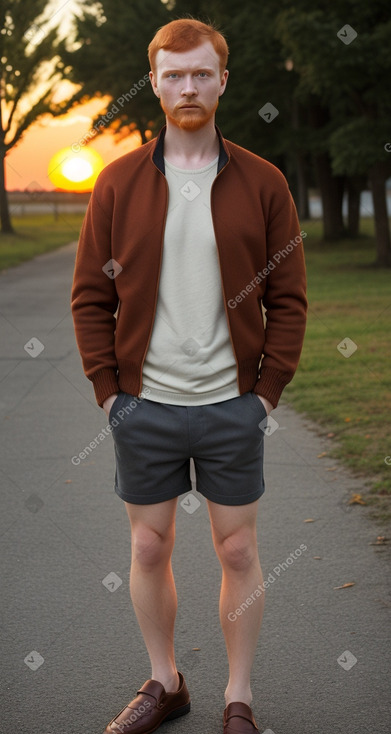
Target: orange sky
27, 163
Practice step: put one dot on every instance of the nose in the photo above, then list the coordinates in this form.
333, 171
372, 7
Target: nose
189, 87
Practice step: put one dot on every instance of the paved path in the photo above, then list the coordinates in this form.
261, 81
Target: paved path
63, 531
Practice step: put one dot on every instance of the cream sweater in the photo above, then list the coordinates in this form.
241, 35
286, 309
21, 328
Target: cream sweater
190, 359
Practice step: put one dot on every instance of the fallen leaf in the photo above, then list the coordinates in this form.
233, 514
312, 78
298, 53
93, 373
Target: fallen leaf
381, 540
68, 481
347, 420
317, 558
331, 468
309, 519
356, 499
345, 586
324, 453
330, 435
196, 648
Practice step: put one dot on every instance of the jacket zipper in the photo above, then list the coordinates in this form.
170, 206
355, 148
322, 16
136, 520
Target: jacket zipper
157, 287
222, 283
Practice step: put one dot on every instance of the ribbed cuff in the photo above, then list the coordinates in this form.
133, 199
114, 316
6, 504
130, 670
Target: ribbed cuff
271, 384
105, 384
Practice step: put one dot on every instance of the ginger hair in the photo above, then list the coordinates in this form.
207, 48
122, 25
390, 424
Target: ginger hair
184, 34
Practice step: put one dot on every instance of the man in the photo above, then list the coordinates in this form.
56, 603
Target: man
188, 236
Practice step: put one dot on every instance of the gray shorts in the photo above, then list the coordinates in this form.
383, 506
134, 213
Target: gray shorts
154, 442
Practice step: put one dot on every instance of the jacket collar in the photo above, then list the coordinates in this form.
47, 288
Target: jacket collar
158, 151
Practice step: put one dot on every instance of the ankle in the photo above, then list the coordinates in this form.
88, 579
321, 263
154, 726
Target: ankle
170, 682
238, 694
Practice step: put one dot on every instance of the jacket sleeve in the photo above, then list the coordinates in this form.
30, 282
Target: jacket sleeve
284, 299
94, 300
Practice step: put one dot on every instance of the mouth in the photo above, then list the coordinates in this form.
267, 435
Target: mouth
189, 107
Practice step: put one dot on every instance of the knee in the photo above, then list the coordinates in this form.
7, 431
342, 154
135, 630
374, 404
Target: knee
238, 550
150, 548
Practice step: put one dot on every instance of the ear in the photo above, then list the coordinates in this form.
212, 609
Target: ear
223, 82
153, 83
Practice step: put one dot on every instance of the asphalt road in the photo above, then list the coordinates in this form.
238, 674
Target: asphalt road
72, 653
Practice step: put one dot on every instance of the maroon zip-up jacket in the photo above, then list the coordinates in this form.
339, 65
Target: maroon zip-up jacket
261, 261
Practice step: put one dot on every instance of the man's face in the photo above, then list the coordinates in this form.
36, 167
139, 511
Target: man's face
189, 85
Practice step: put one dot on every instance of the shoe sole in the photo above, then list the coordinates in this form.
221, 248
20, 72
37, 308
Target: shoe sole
177, 712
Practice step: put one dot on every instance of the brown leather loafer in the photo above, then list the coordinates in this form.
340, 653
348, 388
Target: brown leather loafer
150, 708
238, 719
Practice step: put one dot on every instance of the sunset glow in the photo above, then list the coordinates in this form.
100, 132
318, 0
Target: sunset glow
71, 171
77, 169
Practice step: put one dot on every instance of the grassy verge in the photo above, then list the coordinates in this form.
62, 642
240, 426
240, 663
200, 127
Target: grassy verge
36, 234
349, 397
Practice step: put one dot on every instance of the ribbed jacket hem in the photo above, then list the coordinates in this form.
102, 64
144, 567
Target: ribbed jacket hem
105, 384
270, 383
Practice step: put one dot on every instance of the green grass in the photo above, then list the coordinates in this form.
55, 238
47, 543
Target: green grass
349, 397
36, 234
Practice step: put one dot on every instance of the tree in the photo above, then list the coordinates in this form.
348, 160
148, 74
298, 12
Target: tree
260, 76
31, 65
109, 57
344, 70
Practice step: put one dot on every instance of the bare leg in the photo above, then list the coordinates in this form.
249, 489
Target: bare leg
152, 585
235, 540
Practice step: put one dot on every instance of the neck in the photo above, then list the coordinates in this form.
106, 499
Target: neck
191, 146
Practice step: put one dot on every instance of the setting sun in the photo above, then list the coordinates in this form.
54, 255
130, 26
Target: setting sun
72, 171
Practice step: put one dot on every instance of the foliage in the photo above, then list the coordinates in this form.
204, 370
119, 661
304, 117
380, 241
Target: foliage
109, 57
31, 67
349, 79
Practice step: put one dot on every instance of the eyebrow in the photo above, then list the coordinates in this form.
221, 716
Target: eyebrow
175, 71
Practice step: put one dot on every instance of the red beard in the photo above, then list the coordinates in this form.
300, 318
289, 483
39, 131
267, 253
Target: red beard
189, 119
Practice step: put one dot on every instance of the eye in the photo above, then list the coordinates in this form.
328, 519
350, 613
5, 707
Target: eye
202, 74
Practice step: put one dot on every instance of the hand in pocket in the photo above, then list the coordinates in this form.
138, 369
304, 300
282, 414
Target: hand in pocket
109, 402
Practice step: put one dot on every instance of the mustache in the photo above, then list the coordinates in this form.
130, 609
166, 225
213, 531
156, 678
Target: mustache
181, 104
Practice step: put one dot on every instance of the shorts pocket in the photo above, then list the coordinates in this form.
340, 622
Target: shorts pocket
115, 405
259, 405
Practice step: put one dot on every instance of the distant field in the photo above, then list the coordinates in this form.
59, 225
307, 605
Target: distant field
349, 397
32, 202
36, 234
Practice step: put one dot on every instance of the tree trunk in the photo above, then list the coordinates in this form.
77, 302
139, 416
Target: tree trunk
5, 218
331, 190
300, 163
355, 185
303, 206
377, 178
331, 187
